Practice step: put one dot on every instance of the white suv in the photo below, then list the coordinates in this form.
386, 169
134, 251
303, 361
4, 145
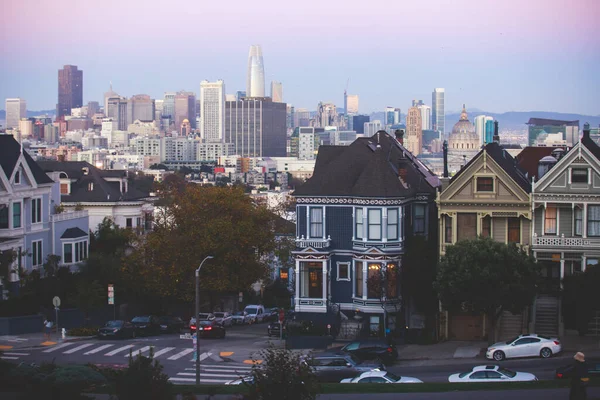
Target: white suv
255, 313
530, 345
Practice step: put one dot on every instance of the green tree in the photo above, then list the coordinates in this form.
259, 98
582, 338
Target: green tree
581, 298
89, 296
7, 263
486, 276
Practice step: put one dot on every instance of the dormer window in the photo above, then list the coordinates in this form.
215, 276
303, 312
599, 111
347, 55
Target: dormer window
18, 178
90, 186
485, 184
579, 175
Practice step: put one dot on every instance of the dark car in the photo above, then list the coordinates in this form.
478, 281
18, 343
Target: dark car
271, 315
203, 317
117, 329
592, 364
211, 329
372, 349
171, 324
332, 367
146, 325
273, 329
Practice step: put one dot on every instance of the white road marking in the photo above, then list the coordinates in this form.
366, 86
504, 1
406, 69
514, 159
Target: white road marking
83, 346
16, 354
241, 367
203, 357
9, 358
180, 354
201, 380
139, 351
58, 347
120, 349
163, 351
209, 375
98, 349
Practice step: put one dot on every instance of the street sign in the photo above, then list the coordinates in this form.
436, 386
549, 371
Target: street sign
281, 315
185, 336
56, 301
111, 293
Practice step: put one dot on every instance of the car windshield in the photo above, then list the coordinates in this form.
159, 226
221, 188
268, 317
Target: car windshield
464, 374
392, 377
511, 340
219, 314
114, 324
507, 372
240, 313
141, 319
203, 316
251, 310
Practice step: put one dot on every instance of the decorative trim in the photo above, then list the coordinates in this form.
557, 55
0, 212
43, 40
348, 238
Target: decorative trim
347, 264
349, 201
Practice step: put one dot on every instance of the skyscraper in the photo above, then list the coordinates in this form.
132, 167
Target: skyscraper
185, 108
70, 90
117, 110
212, 110
414, 132
255, 83
358, 122
277, 92
392, 116
141, 107
480, 123
351, 104
425, 116
326, 115
15, 110
108, 95
438, 115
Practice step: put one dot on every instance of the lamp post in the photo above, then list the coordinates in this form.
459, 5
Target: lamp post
198, 319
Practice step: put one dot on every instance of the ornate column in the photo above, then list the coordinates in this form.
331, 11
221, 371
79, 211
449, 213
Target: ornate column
324, 282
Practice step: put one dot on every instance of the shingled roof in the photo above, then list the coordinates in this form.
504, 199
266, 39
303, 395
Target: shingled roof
10, 151
375, 167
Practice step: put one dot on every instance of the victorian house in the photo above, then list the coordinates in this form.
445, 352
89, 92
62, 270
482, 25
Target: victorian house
353, 217
489, 197
566, 229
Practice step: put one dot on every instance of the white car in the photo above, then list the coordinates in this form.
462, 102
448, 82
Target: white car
491, 373
223, 318
380, 377
239, 317
530, 345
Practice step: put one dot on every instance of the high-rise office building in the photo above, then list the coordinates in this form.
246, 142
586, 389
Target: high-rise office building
302, 117
351, 104
480, 122
425, 116
438, 116
15, 110
212, 110
240, 94
256, 127
117, 110
25, 127
358, 122
540, 128
108, 95
290, 116
414, 131
185, 108
371, 128
158, 110
417, 103
277, 91
93, 107
326, 115
70, 90
392, 116
169, 105
489, 130
255, 83
140, 107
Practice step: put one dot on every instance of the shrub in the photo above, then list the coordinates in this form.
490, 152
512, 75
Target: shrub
84, 331
305, 328
143, 379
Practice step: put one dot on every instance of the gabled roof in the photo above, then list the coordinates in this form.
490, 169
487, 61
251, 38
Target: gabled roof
375, 167
505, 161
529, 158
10, 151
587, 141
73, 233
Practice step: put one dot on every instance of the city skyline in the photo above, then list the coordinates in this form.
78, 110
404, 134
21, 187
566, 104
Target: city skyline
469, 59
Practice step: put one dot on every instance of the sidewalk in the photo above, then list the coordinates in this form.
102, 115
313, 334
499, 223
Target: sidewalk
32, 340
575, 343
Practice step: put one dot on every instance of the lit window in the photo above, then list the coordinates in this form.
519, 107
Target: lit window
485, 184
550, 220
358, 278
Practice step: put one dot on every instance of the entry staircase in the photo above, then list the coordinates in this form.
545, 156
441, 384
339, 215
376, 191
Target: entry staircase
547, 315
511, 325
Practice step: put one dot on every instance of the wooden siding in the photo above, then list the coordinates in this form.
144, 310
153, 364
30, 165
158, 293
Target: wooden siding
499, 229
526, 231
538, 223
565, 221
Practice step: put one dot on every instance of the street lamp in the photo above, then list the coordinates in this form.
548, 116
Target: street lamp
198, 319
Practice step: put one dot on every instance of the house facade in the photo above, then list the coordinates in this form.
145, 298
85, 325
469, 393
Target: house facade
353, 216
29, 224
489, 197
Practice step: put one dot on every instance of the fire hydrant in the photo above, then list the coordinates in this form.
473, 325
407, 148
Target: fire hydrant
64, 333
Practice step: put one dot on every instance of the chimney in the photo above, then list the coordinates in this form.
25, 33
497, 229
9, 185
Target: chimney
496, 138
400, 136
586, 131
445, 149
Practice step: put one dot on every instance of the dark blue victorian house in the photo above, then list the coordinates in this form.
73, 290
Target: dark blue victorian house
353, 217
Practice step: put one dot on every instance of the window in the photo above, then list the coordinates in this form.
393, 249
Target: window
311, 280
374, 284
90, 186
138, 222
16, 215
447, 229
478, 375
129, 222
514, 230
316, 222
579, 175
64, 188
419, 219
592, 262
358, 278
486, 226
18, 178
3, 216
36, 211
392, 224
343, 271
75, 252
485, 184
374, 222
392, 281
593, 220
358, 219
578, 221
550, 220
466, 226
68, 253
36, 253
493, 375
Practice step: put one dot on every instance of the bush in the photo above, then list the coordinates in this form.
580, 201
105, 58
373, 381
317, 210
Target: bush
143, 379
84, 331
305, 328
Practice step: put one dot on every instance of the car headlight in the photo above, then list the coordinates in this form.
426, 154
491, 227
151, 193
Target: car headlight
491, 349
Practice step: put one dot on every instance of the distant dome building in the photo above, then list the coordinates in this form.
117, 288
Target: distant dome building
463, 143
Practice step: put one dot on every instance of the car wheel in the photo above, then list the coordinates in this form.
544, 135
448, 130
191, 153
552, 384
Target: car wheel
499, 355
545, 353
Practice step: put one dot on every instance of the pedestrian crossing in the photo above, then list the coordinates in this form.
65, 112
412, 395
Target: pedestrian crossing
12, 355
212, 374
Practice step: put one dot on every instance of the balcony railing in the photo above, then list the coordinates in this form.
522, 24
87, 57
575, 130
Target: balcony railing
68, 215
315, 243
562, 241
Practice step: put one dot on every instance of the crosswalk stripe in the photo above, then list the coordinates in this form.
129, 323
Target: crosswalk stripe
163, 351
201, 380
203, 357
98, 349
209, 375
83, 346
120, 349
9, 358
16, 354
240, 367
139, 351
180, 354
58, 347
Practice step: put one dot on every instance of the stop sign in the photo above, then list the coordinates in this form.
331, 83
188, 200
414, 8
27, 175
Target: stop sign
281, 315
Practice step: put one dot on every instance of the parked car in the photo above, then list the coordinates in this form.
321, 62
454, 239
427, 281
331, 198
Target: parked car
371, 349
491, 373
171, 324
592, 364
117, 329
254, 313
223, 318
203, 317
271, 314
381, 377
332, 367
239, 318
273, 329
146, 325
210, 329
530, 345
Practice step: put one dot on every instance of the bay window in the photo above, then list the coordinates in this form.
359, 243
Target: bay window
358, 278
316, 222
374, 284
17, 215
392, 224
374, 222
578, 221
311, 280
593, 220
358, 223
550, 220
3, 216
75, 252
